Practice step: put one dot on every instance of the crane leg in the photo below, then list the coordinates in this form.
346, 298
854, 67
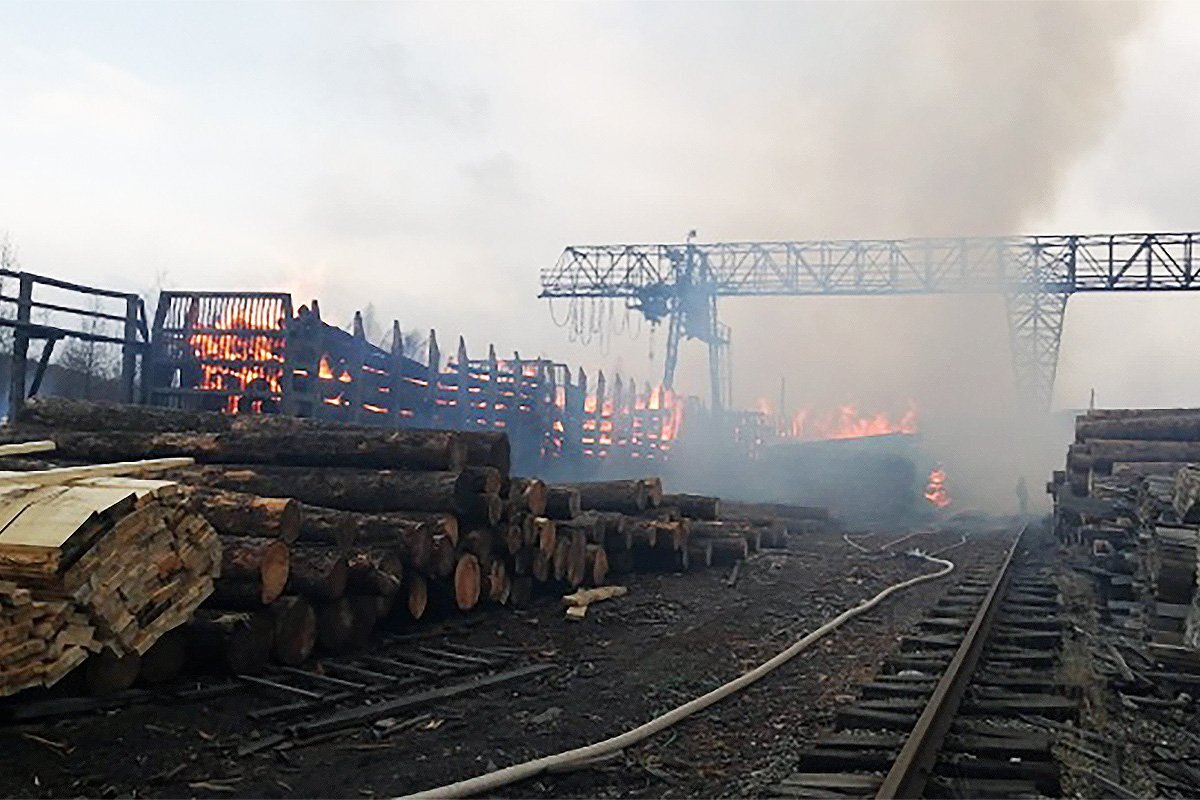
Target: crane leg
674, 330
1035, 323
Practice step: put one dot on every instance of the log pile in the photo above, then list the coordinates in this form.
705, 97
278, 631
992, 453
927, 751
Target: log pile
1130, 499
327, 532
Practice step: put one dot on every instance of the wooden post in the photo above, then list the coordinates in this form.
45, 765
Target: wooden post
129, 350
396, 387
16, 388
358, 354
462, 402
435, 375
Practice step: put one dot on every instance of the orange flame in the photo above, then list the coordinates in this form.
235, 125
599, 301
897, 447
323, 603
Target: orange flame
848, 423
261, 353
935, 491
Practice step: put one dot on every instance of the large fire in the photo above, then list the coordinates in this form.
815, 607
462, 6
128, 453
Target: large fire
240, 362
935, 491
845, 422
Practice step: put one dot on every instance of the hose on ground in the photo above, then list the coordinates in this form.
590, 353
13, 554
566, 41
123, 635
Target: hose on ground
491, 781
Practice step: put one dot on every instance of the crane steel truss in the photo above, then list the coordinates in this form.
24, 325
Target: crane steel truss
1035, 273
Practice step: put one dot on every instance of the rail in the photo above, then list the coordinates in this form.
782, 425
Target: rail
914, 764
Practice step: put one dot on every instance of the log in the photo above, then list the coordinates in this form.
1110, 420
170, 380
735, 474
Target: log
239, 642
107, 672
336, 625
61, 413
528, 495
628, 497
384, 603
369, 490
597, 565
587, 525
522, 562
481, 543
654, 491
561, 558
700, 552
1100, 454
263, 563
374, 571
418, 595
1142, 468
444, 557
643, 532
364, 614
318, 572
1163, 428
522, 591
694, 506
466, 582
1186, 498
1135, 413
543, 567
577, 544
240, 514
165, 659
544, 534
562, 502
735, 510
408, 534
487, 509
727, 550
487, 449
406, 449
499, 586
513, 537
295, 629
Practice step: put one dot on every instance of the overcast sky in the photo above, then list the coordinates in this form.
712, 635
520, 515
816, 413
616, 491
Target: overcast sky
431, 158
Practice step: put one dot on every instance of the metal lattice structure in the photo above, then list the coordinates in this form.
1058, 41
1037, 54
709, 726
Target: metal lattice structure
681, 282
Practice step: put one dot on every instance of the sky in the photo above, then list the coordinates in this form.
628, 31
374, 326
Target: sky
431, 158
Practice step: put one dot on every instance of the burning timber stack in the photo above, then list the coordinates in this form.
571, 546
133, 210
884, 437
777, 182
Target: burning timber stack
1130, 495
318, 533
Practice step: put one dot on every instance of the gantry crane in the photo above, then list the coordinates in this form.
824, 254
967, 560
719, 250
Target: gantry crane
1036, 274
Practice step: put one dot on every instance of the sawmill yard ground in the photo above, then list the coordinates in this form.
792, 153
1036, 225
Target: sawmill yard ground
672, 638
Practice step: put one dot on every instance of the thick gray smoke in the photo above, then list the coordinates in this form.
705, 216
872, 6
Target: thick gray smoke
954, 119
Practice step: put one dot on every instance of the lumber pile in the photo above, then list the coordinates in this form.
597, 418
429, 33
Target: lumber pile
1130, 495
328, 532
69, 582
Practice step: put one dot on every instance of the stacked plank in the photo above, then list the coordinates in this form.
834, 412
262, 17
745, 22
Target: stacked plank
40, 641
66, 542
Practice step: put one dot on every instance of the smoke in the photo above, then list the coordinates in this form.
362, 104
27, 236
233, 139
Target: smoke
956, 119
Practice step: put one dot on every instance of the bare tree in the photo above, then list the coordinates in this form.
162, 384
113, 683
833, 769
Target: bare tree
89, 363
8, 261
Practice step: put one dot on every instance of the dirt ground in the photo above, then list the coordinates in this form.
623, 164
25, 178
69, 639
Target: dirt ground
670, 639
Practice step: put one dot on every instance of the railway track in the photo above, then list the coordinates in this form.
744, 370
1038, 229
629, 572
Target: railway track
955, 712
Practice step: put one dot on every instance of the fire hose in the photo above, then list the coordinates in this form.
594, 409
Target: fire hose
581, 756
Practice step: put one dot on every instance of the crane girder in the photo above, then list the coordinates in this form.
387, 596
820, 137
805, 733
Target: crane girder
1035, 273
